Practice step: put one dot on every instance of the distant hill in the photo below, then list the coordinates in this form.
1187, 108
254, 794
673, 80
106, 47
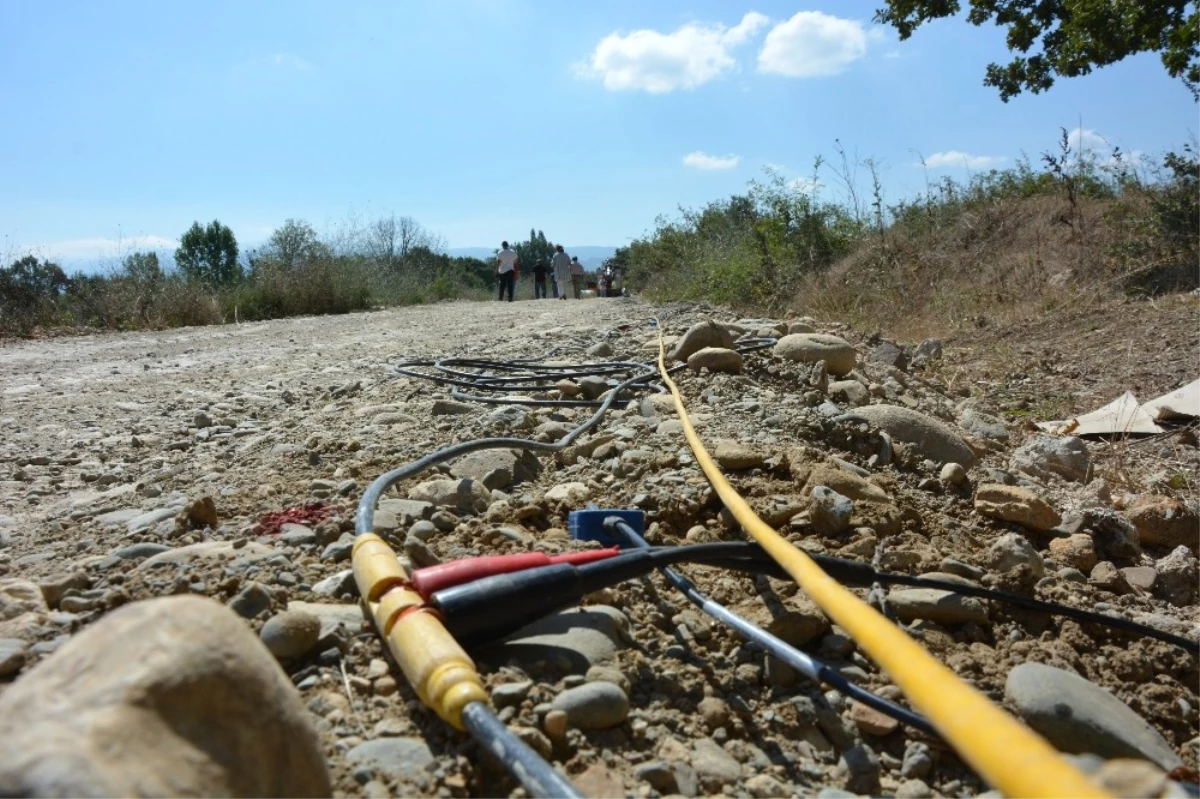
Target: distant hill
590, 256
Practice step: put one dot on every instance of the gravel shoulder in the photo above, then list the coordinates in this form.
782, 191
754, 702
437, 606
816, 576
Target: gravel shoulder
141, 465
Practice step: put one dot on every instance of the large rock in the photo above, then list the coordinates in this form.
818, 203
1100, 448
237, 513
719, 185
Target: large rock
801, 623
851, 392
247, 552
348, 617
1078, 716
394, 758
1018, 505
13, 652
521, 466
1077, 551
577, 639
407, 507
837, 353
18, 597
983, 425
829, 511
1011, 552
574, 493
716, 359
467, 495
1164, 521
889, 353
1177, 576
872, 505
699, 336
844, 482
445, 407
593, 705
735, 455
1044, 455
933, 439
714, 766
291, 634
931, 604
167, 697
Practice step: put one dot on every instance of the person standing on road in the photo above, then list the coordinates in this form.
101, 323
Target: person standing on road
617, 286
561, 264
576, 269
539, 280
506, 270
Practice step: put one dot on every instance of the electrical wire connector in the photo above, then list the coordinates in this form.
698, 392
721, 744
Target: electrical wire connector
431, 579
435, 665
588, 525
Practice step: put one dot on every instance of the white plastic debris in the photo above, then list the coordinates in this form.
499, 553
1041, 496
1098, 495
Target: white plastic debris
1180, 403
1123, 415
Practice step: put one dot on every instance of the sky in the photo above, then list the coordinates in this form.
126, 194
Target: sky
125, 121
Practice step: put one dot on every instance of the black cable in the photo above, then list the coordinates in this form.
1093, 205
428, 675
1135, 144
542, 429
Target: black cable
646, 374
527, 766
750, 557
503, 603
801, 661
523, 763
1053, 608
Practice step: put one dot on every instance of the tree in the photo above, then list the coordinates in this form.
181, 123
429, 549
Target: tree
29, 293
390, 239
537, 248
209, 254
142, 267
30, 280
1075, 36
295, 243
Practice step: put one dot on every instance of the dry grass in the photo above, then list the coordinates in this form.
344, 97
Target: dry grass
999, 264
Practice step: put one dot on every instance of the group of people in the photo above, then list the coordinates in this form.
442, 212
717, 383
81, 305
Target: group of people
563, 271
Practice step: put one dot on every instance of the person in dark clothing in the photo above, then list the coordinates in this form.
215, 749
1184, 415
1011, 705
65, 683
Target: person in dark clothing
539, 280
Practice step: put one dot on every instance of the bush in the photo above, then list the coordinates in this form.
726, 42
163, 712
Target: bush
388, 263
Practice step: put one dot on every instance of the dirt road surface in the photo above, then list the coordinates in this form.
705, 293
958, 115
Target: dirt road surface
111, 443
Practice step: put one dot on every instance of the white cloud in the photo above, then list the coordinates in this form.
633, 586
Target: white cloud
956, 158
1086, 139
291, 61
1091, 144
702, 160
663, 62
812, 44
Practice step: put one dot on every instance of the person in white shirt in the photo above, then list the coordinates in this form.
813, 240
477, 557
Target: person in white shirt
560, 264
506, 270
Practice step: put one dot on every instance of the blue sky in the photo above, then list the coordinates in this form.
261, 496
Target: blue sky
127, 121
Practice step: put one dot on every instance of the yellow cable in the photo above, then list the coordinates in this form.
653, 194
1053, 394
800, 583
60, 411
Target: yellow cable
442, 674
1007, 754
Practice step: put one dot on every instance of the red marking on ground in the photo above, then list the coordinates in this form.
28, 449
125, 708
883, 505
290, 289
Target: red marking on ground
310, 514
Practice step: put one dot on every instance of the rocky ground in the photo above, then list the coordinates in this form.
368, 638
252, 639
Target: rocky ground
226, 462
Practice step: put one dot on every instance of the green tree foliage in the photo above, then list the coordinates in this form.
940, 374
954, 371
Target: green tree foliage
30, 291
535, 248
142, 267
746, 250
209, 255
295, 243
1069, 38
29, 279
